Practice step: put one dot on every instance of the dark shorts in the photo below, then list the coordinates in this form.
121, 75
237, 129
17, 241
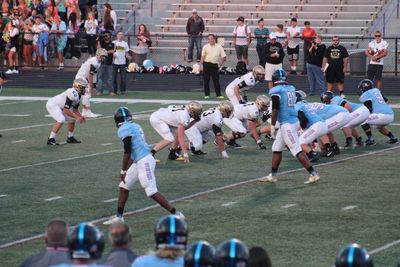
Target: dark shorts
293, 53
242, 51
334, 76
374, 70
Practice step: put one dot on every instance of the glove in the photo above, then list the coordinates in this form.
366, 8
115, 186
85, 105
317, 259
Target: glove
273, 131
242, 101
224, 155
265, 116
261, 144
245, 98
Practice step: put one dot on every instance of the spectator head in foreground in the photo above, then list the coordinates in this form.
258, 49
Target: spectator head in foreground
353, 256
258, 257
120, 235
232, 253
200, 254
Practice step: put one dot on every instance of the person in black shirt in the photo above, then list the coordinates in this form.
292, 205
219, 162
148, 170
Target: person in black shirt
314, 64
105, 74
334, 65
274, 57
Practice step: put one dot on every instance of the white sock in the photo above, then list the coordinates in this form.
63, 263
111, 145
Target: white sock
53, 135
70, 134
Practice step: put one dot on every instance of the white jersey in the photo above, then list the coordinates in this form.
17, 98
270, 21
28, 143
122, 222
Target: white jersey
292, 32
244, 82
209, 118
174, 115
70, 94
376, 47
89, 67
248, 111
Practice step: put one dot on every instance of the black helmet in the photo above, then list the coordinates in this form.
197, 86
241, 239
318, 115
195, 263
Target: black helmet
365, 85
171, 231
200, 254
279, 76
300, 95
122, 115
353, 256
86, 242
231, 253
326, 97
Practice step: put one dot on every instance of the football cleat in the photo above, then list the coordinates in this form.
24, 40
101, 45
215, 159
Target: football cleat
370, 142
114, 219
207, 97
392, 141
197, 152
269, 178
221, 97
313, 156
348, 145
233, 144
327, 154
359, 143
51, 142
312, 179
72, 140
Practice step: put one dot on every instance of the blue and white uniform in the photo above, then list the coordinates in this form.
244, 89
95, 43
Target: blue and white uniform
287, 118
359, 113
80, 265
316, 126
143, 165
335, 116
152, 260
382, 113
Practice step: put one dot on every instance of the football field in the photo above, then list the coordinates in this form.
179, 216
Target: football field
356, 200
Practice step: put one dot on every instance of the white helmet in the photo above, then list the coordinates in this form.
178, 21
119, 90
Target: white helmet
196, 68
133, 67
195, 109
262, 102
101, 54
259, 73
300, 95
226, 108
80, 84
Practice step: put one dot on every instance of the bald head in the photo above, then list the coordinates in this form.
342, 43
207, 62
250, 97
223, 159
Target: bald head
56, 233
120, 234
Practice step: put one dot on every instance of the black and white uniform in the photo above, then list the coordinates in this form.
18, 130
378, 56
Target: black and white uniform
67, 99
242, 113
244, 82
90, 67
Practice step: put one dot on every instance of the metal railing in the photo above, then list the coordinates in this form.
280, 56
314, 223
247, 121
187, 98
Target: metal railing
385, 16
130, 19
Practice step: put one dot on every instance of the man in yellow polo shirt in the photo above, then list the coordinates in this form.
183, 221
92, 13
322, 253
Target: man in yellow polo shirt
212, 57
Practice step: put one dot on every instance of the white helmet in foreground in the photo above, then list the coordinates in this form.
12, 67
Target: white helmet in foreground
226, 108
81, 85
195, 109
262, 102
259, 73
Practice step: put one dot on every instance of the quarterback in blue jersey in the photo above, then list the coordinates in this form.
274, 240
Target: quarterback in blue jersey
137, 164
283, 97
381, 113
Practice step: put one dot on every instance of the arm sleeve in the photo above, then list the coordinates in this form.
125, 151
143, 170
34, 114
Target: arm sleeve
344, 102
127, 145
76, 106
68, 103
275, 102
368, 104
217, 130
242, 84
92, 70
303, 119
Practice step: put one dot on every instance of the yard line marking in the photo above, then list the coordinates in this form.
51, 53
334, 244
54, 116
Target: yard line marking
107, 144
110, 200
49, 124
15, 115
53, 198
17, 141
3, 196
228, 204
384, 247
395, 124
209, 191
350, 207
288, 206
19, 102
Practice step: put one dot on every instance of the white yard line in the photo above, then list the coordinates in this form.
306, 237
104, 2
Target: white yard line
17, 141
3, 196
287, 206
350, 207
15, 115
17, 103
210, 191
228, 204
384, 247
53, 198
107, 144
110, 200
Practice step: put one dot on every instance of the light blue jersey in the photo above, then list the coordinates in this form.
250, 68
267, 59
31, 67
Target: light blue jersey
287, 99
311, 116
378, 103
80, 265
140, 148
325, 111
337, 100
152, 260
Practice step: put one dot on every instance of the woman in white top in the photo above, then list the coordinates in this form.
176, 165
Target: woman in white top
113, 15
28, 41
91, 31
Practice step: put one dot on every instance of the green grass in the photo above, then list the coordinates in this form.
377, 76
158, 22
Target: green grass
307, 234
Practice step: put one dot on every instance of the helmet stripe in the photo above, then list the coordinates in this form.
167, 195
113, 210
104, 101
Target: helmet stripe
197, 254
172, 229
123, 113
81, 233
232, 250
350, 256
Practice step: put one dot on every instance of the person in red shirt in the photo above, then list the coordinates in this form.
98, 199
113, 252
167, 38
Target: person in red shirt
308, 34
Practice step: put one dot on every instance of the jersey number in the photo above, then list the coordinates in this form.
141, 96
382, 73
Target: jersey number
208, 112
178, 107
291, 99
379, 98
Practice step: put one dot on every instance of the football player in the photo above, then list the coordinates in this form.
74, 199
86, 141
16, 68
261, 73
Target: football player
358, 115
175, 118
210, 124
353, 256
171, 235
243, 84
88, 71
246, 118
64, 108
381, 113
232, 252
137, 164
199, 254
283, 98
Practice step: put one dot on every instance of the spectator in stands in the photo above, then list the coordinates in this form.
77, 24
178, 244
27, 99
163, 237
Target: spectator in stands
23, 10
91, 25
212, 58
83, 7
3, 22
308, 34
48, 20
314, 65
274, 54
334, 65
62, 9
72, 6
52, 7
72, 31
13, 31
40, 40
59, 29
56, 243
242, 40
261, 33
107, 23
38, 5
121, 49
194, 29
105, 75
28, 41
113, 15
280, 35
5, 7
376, 51
293, 46
143, 36
258, 257
121, 255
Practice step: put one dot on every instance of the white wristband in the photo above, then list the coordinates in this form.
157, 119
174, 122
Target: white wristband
122, 172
